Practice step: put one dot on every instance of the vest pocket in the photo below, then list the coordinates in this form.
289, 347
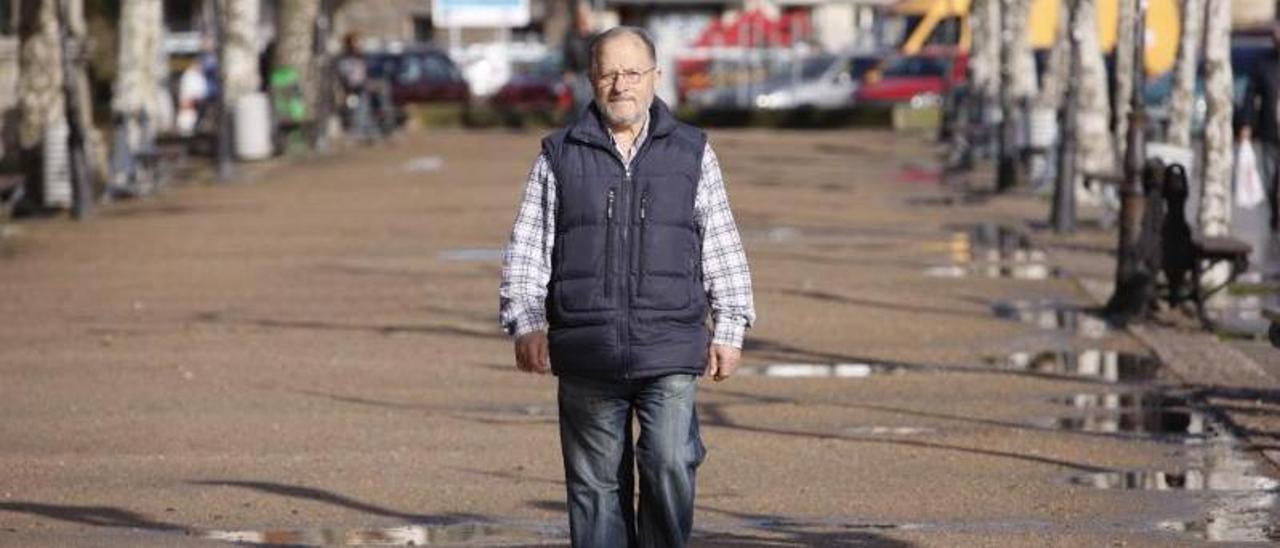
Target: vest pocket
666, 279
581, 295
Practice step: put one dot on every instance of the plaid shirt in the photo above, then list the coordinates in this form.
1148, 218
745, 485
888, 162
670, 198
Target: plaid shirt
526, 264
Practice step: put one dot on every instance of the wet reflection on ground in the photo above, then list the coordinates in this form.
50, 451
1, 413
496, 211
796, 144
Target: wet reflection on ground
489, 534
1238, 311
947, 200
994, 251
808, 370
1183, 480
887, 430
1052, 314
1103, 365
1156, 414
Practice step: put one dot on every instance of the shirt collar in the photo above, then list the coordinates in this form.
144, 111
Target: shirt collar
640, 136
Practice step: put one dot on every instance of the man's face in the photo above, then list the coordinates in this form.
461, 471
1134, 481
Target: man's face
623, 78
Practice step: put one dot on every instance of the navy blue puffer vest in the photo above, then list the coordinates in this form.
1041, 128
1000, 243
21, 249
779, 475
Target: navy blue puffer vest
626, 298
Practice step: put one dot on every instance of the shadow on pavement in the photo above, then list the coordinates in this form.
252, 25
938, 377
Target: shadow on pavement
98, 516
713, 415
335, 499
452, 331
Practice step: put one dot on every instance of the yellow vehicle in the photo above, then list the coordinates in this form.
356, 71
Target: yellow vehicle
946, 22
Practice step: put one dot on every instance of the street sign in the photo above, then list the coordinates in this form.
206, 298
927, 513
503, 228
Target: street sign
480, 13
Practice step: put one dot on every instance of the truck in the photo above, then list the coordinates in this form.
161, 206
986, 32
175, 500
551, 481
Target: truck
946, 23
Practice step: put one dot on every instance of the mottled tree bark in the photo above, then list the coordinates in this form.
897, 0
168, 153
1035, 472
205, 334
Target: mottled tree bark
1124, 61
1024, 85
140, 70
1182, 104
1096, 150
295, 43
984, 64
40, 97
240, 52
1054, 85
1215, 197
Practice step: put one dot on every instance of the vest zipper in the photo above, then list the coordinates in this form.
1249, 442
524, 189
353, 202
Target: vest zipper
608, 247
644, 229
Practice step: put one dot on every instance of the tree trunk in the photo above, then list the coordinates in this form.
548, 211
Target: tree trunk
1124, 63
40, 85
140, 66
1096, 151
1059, 64
985, 61
140, 69
240, 52
1024, 85
1182, 103
1215, 195
295, 44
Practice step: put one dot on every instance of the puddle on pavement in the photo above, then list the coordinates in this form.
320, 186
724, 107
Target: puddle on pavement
1120, 401
993, 251
946, 200
811, 370
822, 235
1156, 414
887, 430
1157, 422
1103, 365
1236, 502
411, 535
1238, 311
472, 254
423, 164
1185, 480
1050, 314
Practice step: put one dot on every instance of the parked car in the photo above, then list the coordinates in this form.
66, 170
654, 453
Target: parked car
819, 81
919, 80
824, 83
420, 76
536, 87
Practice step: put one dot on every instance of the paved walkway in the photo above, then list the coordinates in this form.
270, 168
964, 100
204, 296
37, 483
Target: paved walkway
311, 356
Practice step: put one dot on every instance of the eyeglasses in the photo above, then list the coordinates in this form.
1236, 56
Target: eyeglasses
628, 77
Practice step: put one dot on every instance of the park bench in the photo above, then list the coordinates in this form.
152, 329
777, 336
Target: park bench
1185, 252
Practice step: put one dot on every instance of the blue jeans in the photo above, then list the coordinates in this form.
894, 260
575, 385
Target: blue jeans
595, 437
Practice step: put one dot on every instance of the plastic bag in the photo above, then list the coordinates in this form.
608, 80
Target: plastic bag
1248, 181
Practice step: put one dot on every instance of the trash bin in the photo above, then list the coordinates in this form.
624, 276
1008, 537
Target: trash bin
253, 127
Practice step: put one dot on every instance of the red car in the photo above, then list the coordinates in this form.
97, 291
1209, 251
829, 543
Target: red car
920, 79
535, 87
420, 76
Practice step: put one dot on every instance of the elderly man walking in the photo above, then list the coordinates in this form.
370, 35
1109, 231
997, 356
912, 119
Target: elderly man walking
623, 243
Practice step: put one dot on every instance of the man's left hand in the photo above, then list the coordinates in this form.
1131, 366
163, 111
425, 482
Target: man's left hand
722, 361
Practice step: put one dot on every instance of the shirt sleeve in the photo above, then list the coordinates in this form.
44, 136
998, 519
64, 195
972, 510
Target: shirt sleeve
526, 263
726, 276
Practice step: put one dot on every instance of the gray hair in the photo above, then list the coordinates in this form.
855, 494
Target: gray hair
593, 49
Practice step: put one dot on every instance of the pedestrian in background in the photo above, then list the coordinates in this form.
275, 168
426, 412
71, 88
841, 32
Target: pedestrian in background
622, 245
577, 60
1259, 122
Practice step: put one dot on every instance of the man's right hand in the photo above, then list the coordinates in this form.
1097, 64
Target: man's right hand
532, 353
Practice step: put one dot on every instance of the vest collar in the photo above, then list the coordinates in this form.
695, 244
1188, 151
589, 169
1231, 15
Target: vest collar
590, 127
